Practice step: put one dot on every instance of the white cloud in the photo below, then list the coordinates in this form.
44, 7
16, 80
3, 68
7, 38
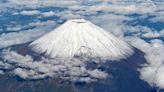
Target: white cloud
68, 15
15, 28
21, 73
4, 65
48, 23
111, 22
151, 34
160, 77
27, 68
30, 12
125, 7
15, 38
48, 14
162, 33
1, 72
42, 3
25, 36
158, 17
152, 72
116, 6
97, 74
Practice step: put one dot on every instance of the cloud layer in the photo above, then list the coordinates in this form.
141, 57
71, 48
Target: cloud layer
27, 68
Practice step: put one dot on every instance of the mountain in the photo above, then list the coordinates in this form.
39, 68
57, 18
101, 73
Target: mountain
78, 56
81, 38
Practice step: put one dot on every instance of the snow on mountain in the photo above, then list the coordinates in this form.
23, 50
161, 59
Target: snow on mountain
78, 38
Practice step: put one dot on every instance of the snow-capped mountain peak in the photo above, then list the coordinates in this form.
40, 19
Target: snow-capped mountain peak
81, 38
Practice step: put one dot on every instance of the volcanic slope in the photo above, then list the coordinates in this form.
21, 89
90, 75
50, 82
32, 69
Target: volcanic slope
80, 37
